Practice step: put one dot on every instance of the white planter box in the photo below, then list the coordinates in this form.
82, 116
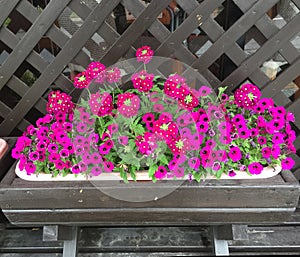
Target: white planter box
141, 176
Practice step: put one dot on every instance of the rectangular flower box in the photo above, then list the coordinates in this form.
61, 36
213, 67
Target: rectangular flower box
260, 201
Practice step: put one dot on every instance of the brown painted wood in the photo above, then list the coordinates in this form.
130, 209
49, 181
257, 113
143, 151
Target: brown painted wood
140, 24
55, 68
149, 216
32, 37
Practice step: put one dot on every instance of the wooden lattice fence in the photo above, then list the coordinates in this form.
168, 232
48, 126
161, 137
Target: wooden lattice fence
42, 43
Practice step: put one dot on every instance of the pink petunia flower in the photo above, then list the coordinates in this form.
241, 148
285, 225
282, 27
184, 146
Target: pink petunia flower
255, 168
287, 163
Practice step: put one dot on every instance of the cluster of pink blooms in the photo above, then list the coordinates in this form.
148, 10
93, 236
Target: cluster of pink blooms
58, 101
128, 104
98, 72
142, 81
175, 87
144, 54
199, 136
101, 104
49, 140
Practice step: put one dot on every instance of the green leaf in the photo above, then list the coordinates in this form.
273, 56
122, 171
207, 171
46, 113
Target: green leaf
133, 173
163, 159
152, 170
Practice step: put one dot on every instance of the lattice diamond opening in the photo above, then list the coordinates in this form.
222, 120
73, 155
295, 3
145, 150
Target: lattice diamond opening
18, 23
4, 52
228, 67
284, 12
292, 90
295, 41
229, 9
9, 97
274, 66
251, 41
47, 49
27, 73
33, 115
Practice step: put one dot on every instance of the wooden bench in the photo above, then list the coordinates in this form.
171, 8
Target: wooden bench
61, 207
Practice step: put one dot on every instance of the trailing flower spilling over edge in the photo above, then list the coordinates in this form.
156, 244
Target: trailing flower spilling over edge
160, 125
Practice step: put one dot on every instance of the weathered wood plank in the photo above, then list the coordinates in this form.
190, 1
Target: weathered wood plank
6, 8
70, 50
288, 75
140, 24
149, 216
233, 33
192, 22
30, 39
262, 54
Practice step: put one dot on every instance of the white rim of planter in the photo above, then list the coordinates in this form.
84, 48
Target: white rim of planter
267, 172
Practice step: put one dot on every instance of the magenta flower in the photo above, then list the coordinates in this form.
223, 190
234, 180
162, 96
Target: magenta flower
166, 116
76, 169
30, 168
275, 151
52, 148
84, 116
207, 163
221, 155
123, 140
101, 104
255, 168
266, 152
235, 154
113, 128
161, 172
254, 132
148, 117
113, 75
64, 153
96, 171
144, 54
216, 166
247, 96
81, 127
202, 127
93, 138
109, 143
82, 80
142, 81
262, 140
194, 163
53, 157
158, 108
103, 149
33, 156
108, 166
238, 119
244, 133
79, 149
60, 165
290, 117
231, 173
204, 91
83, 166
278, 138
95, 69
87, 158
287, 163
128, 104
96, 158
178, 172
16, 153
